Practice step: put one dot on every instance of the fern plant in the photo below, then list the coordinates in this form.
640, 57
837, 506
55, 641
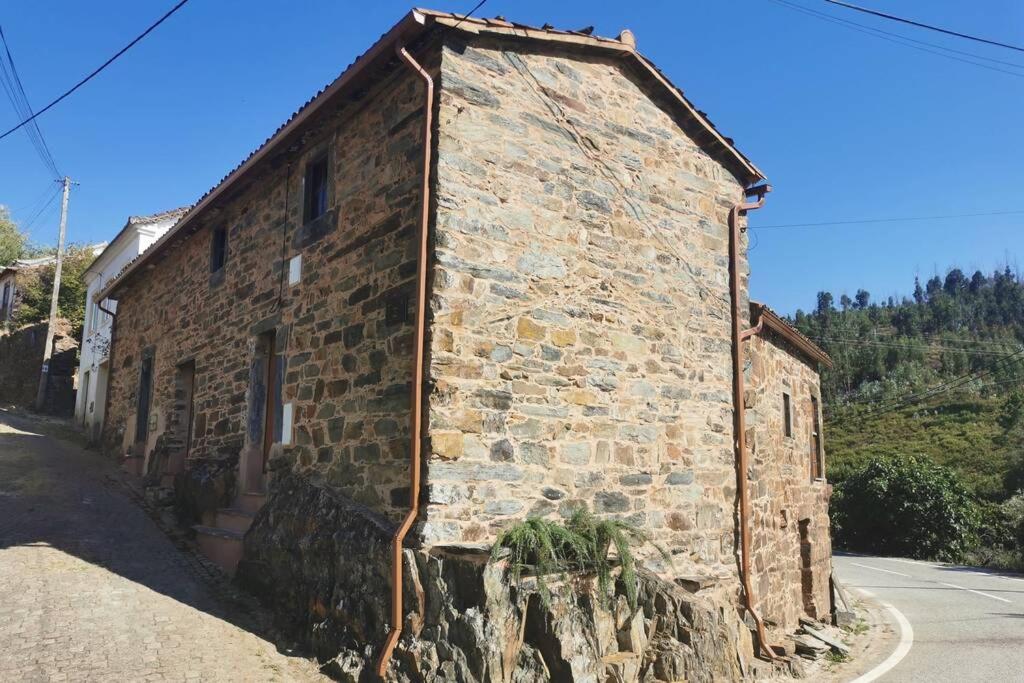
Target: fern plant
583, 543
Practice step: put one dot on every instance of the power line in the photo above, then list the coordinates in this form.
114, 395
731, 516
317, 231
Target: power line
468, 14
101, 67
22, 108
43, 210
911, 22
897, 403
864, 221
901, 40
908, 347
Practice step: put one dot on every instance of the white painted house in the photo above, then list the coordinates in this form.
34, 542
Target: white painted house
134, 238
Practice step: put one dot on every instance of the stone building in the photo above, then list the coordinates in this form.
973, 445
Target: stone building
577, 351
134, 238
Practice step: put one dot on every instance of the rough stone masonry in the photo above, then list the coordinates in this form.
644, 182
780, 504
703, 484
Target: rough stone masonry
578, 342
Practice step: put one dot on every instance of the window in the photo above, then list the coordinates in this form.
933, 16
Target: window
817, 458
7, 298
315, 192
219, 249
787, 416
295, 269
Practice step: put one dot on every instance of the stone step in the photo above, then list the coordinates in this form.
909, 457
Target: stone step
234, 519
250, 502
132, 464
222, 546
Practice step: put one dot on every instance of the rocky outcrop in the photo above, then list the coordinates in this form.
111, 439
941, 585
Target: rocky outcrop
321, 562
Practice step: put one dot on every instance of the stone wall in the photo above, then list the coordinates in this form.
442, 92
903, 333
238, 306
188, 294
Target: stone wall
792, 552
581, 341
465, 621
21, 356
347, 362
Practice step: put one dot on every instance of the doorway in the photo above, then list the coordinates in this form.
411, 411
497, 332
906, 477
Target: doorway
264, 410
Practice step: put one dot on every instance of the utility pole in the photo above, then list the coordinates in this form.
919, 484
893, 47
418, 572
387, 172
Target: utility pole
44, 373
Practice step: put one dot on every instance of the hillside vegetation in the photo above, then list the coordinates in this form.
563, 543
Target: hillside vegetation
936, 378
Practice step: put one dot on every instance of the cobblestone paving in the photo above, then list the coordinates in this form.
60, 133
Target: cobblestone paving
92, 590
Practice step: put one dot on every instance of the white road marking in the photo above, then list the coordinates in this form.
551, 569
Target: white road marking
877, 569
971, 590
921, 562
906, 642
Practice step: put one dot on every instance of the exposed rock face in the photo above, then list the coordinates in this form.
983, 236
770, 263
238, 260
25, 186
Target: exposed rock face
322, 562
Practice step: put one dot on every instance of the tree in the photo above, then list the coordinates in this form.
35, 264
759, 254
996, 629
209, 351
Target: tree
955, 281
12, 241
862, 297
37, 288
918, 292
978, 282
933, 286
824, 303
905, 506
845, 302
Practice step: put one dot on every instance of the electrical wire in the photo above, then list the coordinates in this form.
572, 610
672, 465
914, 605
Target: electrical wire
864, 221
96, 71
898, 403
899, 40
468, 14
15, 90
908, 347
911, 22
909, 39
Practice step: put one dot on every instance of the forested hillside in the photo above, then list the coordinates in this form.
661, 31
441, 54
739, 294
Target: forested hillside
937, 376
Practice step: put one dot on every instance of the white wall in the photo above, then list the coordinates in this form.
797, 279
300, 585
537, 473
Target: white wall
91, 401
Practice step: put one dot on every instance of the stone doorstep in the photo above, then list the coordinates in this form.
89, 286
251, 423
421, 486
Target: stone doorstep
234, 519
222, 546
250, 502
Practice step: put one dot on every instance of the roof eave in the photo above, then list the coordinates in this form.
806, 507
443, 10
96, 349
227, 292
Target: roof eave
411, 25
773, 322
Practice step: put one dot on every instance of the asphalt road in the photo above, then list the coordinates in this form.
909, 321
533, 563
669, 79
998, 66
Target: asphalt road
967, 624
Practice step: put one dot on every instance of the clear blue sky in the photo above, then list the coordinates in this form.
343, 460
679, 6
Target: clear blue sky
845, 125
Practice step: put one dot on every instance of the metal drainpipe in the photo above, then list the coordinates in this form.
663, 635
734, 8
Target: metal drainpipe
416, 401
739, 410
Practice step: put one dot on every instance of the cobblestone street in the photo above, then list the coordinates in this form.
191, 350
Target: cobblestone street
92, 589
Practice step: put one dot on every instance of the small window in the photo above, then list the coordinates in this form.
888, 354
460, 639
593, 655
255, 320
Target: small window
396, 311
295, 269
787, 416
817, 457
218, 249
315, 204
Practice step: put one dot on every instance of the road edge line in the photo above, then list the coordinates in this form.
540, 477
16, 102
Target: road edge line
906, 642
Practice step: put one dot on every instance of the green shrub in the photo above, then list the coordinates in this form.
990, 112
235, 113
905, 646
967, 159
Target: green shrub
905, 506
583, 543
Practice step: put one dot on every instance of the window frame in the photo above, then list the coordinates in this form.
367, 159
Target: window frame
218, 238
817, 464
787, 415
314, 161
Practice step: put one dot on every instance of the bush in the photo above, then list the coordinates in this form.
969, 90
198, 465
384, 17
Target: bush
583, 543
905, 506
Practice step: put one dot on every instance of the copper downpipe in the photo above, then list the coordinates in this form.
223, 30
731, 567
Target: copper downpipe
739, 412
416, 400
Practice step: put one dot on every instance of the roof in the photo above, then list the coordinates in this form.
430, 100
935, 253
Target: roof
134, 221
773, 321
411, 27
28, 263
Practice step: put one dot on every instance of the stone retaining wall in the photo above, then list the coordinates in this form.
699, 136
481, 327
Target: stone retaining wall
21, 356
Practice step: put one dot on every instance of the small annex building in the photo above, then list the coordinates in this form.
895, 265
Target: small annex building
535, 252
